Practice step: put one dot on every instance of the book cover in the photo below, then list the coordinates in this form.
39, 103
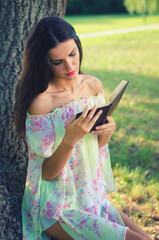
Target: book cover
109, 108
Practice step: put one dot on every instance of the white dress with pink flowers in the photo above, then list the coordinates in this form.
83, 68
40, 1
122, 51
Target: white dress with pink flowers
77, 197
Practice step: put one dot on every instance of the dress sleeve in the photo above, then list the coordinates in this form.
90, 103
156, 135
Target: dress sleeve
40, 136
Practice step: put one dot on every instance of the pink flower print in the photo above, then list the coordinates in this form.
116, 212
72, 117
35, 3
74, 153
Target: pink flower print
76, 177
59, 205
63, 173
89, 193
43, 212
94, 181
74, 229
118, 220
71, 166
76, 161
98, 173
110, 216
95, 225
29, 147
105, 195
25, 237
32, 156
71, 112
34, 190
36, 126
49, 213
98, 233
71, 215
63, 116
83, 222
47, 141
114, 225
28, 214
35, 204
65, 124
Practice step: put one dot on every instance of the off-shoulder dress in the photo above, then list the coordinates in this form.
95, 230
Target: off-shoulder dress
77, 197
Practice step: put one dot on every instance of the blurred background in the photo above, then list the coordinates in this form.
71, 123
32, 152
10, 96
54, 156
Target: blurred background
112, 52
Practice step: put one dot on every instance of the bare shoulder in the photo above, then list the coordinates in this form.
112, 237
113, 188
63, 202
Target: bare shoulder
40, 105
94, 84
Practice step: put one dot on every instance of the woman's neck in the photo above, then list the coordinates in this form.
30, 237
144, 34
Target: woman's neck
64, 85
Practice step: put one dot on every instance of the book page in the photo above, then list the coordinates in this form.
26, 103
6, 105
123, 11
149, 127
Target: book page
117, 90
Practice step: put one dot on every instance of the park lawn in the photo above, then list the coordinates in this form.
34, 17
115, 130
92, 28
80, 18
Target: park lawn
134, 147
95, 23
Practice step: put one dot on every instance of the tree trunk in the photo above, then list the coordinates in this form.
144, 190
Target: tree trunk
16, 18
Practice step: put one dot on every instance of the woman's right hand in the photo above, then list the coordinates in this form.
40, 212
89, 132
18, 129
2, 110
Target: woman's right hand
78, 128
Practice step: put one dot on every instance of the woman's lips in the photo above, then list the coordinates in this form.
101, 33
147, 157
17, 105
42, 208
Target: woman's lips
71, 73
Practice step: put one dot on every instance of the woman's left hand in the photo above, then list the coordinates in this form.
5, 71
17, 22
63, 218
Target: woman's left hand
105, 129
104, 132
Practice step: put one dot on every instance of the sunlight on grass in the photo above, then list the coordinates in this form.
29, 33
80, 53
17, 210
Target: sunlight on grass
137, 198
95, 23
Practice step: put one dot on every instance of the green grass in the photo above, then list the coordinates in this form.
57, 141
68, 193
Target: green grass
134, 146
88, 23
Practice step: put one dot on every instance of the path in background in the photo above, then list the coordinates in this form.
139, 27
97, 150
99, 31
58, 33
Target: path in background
117, 31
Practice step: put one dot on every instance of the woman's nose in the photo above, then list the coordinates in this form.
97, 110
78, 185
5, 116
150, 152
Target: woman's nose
68, 65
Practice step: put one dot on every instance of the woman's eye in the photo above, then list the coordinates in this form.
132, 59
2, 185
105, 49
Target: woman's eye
56, 62
72, 54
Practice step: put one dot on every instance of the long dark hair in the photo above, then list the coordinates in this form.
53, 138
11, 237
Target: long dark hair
37, 73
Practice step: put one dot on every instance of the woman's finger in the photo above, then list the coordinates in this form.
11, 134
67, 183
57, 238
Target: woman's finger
110, 119
94, 119
83, 115
106, 126
90, 115
102, 132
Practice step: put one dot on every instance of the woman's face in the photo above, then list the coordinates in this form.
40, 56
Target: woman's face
65, 60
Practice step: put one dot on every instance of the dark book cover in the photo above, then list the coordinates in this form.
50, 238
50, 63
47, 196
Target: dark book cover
108, 109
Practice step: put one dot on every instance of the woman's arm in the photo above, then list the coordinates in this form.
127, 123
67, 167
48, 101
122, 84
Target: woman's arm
75, 130
105, 132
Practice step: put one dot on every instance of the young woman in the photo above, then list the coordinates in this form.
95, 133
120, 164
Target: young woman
69, 172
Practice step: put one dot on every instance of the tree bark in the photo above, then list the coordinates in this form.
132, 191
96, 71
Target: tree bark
16, 18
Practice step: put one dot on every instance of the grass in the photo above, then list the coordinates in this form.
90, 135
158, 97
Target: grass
88, 23
134, 146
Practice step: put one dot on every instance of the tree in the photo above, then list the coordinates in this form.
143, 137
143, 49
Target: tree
16, 18
142, 6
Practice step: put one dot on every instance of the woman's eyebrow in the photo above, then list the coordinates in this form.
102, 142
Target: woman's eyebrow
61, 59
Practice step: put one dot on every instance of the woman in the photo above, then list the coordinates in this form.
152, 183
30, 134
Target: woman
69, 168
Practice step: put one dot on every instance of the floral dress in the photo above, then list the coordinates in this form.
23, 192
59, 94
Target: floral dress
77, 197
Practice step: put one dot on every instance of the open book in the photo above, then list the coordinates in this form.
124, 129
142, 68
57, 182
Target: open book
108, 109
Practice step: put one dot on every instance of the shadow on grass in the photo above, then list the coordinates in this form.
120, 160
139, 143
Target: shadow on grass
139, 85
135, 143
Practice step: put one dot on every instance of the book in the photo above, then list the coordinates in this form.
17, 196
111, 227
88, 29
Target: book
109, 108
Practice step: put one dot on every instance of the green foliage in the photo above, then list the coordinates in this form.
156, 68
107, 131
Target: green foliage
94, 6
142, 6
